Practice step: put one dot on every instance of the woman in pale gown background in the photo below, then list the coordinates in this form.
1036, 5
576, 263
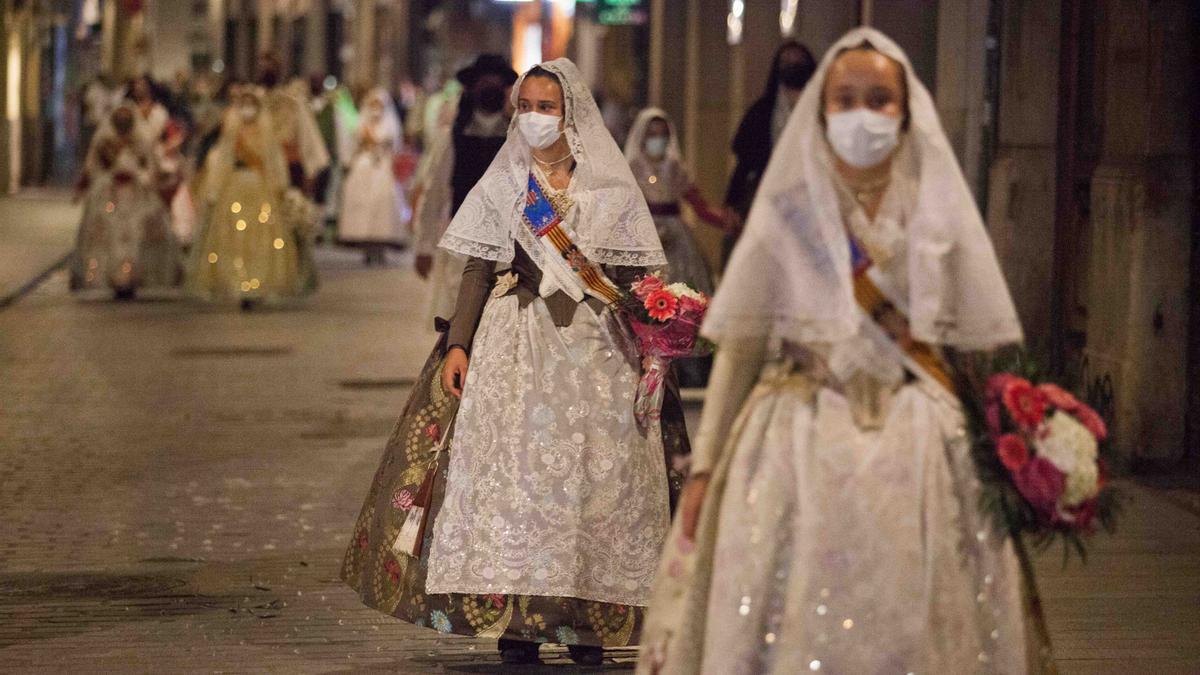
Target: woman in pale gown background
831, 522
652, 149
248, 250
374, 210
124, 241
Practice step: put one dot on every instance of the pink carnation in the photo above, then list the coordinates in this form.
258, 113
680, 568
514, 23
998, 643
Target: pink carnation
692, 308
648, 284
1041, 484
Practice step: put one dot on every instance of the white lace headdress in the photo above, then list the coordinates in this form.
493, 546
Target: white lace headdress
637, 135
613, 225
790, 275
387, 128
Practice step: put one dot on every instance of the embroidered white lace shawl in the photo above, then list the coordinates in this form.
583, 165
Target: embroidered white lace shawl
612, 226
790, 274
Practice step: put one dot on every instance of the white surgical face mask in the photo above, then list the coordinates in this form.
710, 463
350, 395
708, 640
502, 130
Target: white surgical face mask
539, 130
862, 138
656, 147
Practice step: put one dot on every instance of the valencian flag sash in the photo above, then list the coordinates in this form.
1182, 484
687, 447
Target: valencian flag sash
876, 305
545, 221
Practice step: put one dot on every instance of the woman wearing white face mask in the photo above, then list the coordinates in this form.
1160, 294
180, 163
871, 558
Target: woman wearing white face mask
246, 251
546, 518
374, 209
653, 153
831, 522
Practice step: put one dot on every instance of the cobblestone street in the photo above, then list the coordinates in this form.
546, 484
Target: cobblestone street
178, 483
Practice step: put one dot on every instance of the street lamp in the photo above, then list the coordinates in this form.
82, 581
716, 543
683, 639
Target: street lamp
737, 10
787, 17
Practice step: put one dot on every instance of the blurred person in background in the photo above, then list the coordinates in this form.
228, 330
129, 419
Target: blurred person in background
375, 211
295, 127
149, 98
458, 160
174, 173
249, 250
652, 150
321, 100
761, 127
124, 239
100, 97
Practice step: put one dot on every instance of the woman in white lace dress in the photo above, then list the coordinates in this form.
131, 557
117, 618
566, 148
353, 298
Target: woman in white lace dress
831, 522
556, 503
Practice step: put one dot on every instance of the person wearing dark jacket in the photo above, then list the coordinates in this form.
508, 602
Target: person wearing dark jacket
791, 69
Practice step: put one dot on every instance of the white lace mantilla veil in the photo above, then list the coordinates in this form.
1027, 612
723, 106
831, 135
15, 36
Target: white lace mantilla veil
222, 160
790, 274
613, 225
637, 135
388, 128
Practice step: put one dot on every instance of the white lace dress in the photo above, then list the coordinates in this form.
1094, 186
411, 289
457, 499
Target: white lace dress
841, 532
552, 489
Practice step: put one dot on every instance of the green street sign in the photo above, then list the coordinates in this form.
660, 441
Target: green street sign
622, 12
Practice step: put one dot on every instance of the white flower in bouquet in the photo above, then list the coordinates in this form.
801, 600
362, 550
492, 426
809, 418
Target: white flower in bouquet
1072, 449
682, 290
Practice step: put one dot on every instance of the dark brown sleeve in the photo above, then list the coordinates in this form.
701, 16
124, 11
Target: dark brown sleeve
472, 295
623, 277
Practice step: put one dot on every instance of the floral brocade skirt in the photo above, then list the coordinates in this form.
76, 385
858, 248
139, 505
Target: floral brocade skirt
394, 582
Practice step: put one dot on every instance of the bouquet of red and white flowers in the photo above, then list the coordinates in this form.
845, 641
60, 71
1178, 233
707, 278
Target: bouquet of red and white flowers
665, 319
1038, 451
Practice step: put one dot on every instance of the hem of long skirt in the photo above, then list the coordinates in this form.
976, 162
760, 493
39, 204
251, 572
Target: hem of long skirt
641, 601
277, 299
546, 634
356, 242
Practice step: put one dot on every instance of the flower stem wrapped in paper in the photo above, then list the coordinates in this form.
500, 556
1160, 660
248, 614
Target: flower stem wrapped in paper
666, 320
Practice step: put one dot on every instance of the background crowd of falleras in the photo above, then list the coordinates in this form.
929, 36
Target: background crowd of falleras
159, 184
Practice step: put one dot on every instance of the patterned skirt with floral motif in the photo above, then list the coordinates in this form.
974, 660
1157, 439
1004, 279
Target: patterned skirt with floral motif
393, 581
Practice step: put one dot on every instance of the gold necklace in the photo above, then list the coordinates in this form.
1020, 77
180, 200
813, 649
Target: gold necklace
864, 192
557, 161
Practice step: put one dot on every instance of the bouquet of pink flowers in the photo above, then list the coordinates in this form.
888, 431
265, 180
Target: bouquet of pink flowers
665, 319
1038, 451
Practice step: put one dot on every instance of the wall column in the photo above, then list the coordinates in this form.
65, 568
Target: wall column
961, 66
1021, 195
1141, 223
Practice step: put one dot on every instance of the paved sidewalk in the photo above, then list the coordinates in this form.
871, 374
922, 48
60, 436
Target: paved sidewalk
177, 483
37, 231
